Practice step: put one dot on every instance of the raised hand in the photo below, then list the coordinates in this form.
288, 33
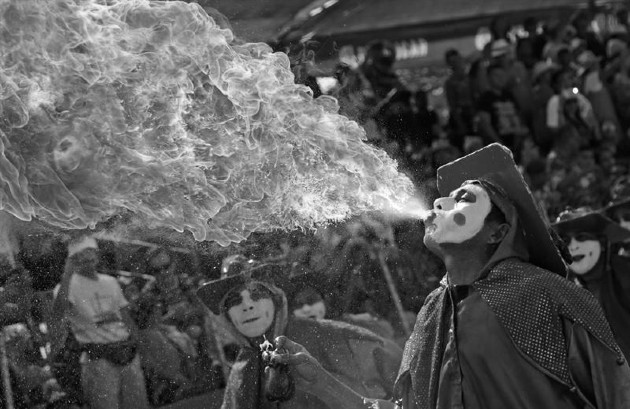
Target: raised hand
307, 371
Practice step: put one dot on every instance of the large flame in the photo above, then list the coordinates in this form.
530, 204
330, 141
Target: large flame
151, 108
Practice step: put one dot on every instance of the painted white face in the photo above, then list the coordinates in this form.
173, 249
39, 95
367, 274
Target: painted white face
316, 311
253, 316
585, 252
458, 217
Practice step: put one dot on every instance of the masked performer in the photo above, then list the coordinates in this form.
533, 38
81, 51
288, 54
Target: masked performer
590, 237
505, 329
256, 310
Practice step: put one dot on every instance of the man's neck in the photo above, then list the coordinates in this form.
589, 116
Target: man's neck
465, 267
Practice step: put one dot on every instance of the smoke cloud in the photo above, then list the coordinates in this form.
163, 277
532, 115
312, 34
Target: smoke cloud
111, 108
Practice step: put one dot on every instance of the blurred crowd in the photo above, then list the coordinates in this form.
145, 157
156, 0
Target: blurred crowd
555, 92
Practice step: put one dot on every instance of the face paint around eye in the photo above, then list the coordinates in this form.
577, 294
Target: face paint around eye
460, 216
585, 255
252, 318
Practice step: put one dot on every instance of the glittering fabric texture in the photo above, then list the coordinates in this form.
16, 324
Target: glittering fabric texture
530, 303
422, 359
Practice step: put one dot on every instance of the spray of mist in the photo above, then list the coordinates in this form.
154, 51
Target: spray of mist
152, 109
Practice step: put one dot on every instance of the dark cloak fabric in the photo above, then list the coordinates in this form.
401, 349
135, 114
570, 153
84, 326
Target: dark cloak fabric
356, 356
612, 288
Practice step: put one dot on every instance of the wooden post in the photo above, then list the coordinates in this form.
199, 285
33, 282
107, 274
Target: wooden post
394, 293
6, 376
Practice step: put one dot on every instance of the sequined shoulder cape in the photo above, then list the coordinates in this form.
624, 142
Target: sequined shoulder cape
530, 304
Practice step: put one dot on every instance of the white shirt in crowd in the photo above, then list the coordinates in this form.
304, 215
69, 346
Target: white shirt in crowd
95, 312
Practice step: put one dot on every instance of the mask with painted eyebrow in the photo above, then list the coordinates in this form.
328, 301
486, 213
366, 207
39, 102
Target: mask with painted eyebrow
459, 220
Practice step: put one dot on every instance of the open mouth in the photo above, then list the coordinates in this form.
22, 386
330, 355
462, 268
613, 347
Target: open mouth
250, 320
578, 258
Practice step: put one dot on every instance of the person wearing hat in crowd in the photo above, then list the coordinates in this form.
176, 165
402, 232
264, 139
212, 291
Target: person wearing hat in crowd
542, 93
255, 310
505, 329
593, 87
590, 236
498, 116
95, 308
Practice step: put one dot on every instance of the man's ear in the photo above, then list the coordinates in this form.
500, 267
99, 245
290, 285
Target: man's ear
499, 233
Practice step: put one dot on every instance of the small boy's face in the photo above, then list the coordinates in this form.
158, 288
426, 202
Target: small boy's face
316, 311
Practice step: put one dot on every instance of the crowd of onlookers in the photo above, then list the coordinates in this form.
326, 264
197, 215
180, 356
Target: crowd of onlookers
555, 92
176, 338
184, 350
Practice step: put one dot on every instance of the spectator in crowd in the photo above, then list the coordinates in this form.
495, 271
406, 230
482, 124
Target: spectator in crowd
559, 38
542, 93
309, 303
459, 98
426, 121
570, 114
593, 87
256, 310
536, 35
581, 21
497, 319
621, 92
590, 236
519, 82
97, 312
498, 117
164, 365
378, 69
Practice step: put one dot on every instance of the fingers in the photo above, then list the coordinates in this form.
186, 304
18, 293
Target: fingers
290, 359
291, 347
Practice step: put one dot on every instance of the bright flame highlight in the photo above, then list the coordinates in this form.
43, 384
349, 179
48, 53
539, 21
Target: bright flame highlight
153, 109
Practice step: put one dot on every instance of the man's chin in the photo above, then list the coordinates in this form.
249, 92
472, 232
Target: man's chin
431, 244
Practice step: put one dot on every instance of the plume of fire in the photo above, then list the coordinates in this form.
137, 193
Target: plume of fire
151, 108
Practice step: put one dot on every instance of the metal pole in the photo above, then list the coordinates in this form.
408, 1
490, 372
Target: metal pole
394, 293
219, 346
6, 376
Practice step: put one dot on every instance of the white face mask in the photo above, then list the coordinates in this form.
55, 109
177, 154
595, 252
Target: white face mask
315, 311
252, 318
460, 216
585, 255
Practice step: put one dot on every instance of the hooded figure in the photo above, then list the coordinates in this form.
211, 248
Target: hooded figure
256, 310
590, 237
507, 330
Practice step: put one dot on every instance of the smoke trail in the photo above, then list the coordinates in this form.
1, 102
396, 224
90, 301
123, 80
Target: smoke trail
151, 108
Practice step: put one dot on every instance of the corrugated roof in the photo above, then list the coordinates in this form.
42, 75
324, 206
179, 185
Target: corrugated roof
349, 16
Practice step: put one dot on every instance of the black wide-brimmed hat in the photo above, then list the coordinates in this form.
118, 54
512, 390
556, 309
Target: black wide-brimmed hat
589, 221
495, 164
213, 292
